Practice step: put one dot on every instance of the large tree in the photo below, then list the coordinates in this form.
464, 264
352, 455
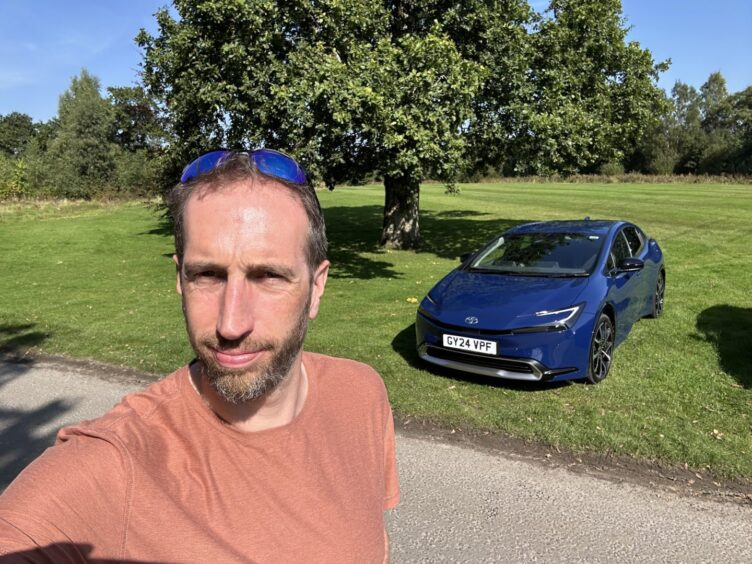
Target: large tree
593, 94
352, 88
403, 89
81, 153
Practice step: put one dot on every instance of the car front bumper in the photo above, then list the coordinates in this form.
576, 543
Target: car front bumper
535, 357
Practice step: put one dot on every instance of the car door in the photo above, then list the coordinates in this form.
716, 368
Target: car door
624, 287
639, 249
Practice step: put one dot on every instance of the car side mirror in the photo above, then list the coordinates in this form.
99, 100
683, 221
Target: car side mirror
631, 264
464, 257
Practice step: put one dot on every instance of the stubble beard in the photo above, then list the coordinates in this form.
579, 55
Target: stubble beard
238, 386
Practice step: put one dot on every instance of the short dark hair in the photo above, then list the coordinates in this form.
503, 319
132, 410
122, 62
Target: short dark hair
238, 167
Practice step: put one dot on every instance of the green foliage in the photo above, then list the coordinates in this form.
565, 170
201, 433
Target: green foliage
95, 147
350, 87
593, 94
81, 154
612, 168
705, 132
16, 130
137, 173
136, 121
403, 90
13, 178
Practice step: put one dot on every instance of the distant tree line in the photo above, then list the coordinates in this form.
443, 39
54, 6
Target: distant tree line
95, 146
399, 91
700, 132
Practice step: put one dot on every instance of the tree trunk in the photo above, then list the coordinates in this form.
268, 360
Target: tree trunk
401, 227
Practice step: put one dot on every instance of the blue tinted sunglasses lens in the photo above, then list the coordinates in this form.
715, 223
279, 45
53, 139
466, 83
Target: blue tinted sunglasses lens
278, 165
204, 163
268, 161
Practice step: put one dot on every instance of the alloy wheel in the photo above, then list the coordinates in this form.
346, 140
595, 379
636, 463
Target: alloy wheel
658, 299
601, 350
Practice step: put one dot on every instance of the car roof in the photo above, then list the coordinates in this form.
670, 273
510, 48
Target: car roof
584, 226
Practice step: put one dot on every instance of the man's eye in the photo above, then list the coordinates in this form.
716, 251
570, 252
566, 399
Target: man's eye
205, 276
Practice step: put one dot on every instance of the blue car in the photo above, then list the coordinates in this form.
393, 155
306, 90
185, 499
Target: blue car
544, 301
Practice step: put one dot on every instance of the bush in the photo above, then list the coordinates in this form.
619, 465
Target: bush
612, 168
137, 173
13, 180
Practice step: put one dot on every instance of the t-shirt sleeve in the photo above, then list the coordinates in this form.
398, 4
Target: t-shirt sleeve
69, 505
391, 481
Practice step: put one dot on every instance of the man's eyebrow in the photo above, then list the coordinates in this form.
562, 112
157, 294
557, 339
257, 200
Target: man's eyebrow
253, 270
197, 266
279, 269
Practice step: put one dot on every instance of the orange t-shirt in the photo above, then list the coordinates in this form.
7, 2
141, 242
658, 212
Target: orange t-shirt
161, 479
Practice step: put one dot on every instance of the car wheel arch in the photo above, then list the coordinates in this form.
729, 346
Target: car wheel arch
609, 310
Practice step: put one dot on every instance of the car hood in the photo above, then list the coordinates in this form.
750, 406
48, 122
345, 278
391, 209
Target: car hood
500, 301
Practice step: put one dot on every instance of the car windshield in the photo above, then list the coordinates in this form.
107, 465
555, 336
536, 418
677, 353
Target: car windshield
540, 254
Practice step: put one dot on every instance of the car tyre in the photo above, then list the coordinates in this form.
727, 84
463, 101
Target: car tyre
659, 296
601, 349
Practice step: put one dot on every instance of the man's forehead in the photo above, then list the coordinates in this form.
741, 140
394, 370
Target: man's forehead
259, 217
244, 199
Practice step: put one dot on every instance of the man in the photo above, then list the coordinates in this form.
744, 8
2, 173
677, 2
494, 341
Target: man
256, 451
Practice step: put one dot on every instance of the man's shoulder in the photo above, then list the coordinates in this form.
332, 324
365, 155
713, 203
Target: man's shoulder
325, 361
134, 413
325, 366
343, 378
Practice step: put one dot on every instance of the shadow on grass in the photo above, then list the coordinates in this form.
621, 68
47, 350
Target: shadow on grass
404, 345
354, 231
20, 439
16, 339
452, 233
729, 329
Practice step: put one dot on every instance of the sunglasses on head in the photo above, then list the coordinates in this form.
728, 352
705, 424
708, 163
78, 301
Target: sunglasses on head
267, 161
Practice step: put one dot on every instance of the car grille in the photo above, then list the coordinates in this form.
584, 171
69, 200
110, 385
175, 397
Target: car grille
478, 360
463, 328
488, 332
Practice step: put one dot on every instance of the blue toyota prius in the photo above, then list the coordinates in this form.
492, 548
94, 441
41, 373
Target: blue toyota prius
544, 301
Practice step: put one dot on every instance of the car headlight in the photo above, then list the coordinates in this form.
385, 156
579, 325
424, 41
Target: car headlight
554, 320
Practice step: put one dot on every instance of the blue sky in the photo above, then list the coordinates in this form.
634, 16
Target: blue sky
43, 43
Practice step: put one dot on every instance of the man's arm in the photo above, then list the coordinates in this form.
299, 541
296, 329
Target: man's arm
69, 501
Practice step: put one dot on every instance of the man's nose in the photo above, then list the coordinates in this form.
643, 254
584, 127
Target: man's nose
236, 315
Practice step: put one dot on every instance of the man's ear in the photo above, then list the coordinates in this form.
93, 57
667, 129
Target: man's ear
178, 285
317, 288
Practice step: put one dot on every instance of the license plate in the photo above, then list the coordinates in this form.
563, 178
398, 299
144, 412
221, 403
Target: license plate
469, 344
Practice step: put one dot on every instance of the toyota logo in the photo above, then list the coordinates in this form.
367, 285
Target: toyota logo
472, 320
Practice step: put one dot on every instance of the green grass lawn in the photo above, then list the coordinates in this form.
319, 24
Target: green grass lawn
94, 280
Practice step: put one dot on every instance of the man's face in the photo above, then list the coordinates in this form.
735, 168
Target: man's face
246, 287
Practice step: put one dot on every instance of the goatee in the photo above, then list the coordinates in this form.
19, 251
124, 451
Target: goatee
237, 386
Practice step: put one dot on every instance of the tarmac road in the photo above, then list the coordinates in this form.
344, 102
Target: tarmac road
459, 504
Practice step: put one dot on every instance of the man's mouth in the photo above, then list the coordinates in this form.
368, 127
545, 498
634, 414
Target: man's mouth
232, 359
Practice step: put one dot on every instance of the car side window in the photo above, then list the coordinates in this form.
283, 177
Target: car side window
634, 238
619, 251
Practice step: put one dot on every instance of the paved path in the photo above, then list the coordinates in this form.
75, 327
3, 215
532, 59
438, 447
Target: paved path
458, 504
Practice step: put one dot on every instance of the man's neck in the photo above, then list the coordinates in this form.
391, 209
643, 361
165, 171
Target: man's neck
274, 409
